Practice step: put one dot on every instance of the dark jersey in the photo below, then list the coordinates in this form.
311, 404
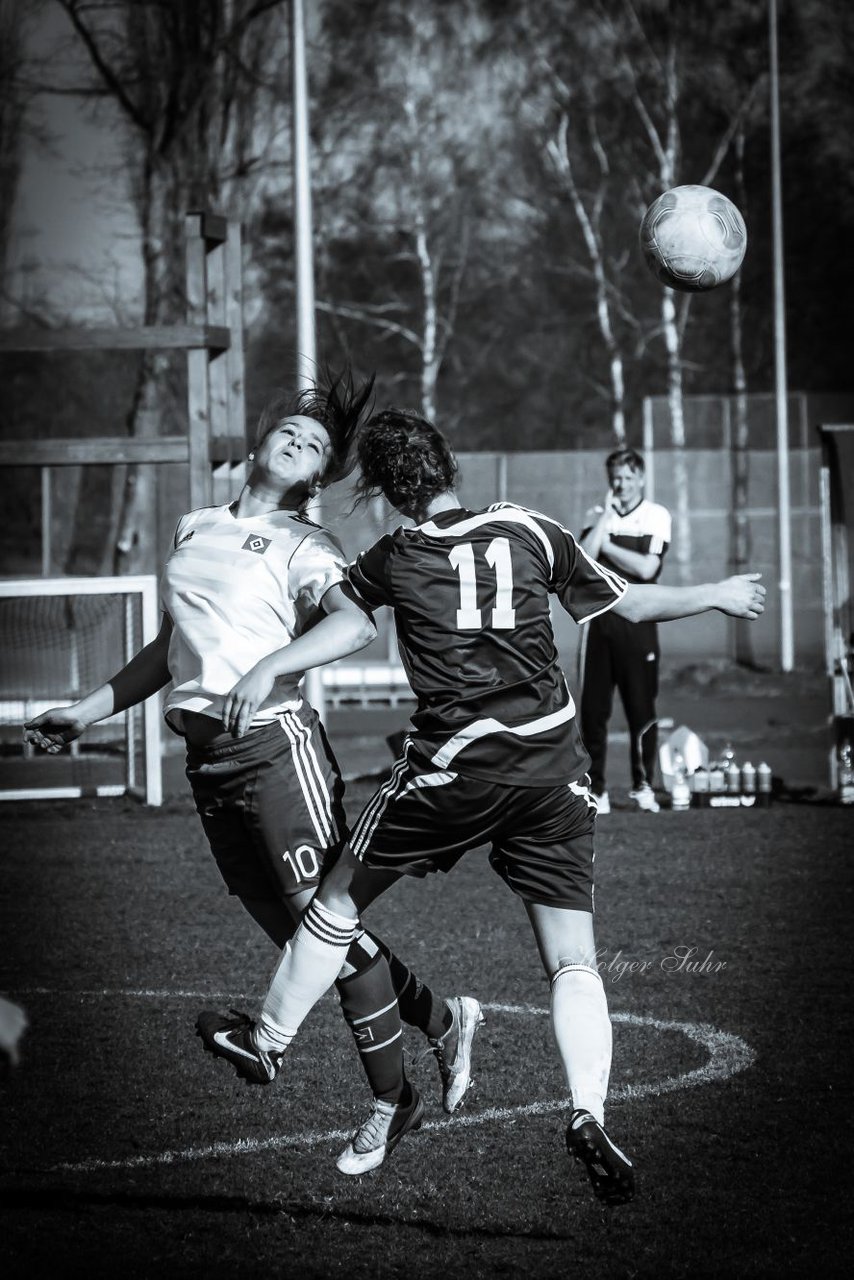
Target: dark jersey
470, 592
645, 529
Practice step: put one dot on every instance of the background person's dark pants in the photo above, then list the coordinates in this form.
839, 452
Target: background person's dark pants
621, 654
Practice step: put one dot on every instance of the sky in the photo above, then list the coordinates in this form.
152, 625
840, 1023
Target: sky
74, 234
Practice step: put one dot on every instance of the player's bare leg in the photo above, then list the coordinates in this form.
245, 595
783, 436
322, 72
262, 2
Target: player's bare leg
582, 1031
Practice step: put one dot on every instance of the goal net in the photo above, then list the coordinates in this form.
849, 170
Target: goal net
62, 637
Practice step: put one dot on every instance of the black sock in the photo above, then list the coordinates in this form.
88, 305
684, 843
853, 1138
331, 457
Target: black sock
419, 1006
370, 1010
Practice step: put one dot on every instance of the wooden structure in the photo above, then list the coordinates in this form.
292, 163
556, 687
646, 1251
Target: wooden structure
212, 337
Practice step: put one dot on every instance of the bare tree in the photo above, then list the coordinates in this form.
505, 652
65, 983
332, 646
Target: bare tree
422, 126
658, 63
18, 70
589, 209
191, 83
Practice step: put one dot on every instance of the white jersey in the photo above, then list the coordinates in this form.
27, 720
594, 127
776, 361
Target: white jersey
645, 529
237, 590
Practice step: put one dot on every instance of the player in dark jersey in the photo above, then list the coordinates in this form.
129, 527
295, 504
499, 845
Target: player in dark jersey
629, 535
494, 756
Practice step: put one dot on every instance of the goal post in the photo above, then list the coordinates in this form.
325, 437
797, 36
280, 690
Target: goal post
62, 637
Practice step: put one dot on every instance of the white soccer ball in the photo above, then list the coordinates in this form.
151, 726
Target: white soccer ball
693, 238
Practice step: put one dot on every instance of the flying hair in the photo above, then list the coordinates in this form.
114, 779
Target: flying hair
404, 457
337, 402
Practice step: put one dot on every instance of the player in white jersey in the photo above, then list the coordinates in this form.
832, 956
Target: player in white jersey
630, 535
470, 593
241, 587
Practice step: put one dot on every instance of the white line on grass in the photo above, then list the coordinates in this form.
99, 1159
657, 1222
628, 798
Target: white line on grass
728, 1054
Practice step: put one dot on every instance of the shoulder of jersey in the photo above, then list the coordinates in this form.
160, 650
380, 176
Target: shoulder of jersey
198, 512
658, 512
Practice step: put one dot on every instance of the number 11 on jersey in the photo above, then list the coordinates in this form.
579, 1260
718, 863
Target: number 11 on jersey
497, 556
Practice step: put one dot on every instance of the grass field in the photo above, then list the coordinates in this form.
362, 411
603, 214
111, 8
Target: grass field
128, 1151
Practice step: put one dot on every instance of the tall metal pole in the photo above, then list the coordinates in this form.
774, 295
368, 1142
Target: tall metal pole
303, 248
304, 253
787, 648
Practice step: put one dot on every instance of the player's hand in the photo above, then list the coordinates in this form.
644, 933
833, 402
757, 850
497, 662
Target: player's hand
54, 729
592, 516
238, 710
742, 596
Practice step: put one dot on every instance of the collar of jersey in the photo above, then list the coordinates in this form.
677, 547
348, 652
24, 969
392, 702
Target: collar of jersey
622, 515
451, 516
264, 515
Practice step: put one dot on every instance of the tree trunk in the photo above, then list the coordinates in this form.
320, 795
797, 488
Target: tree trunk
429, 351
161, 202
740, 527
681, 522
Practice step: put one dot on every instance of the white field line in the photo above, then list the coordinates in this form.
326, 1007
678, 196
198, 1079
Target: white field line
728, 1055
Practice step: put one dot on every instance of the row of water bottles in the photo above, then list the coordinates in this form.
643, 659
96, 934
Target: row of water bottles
724, 785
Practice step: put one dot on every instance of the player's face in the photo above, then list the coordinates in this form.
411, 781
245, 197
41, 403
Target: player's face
626, 486
295, 454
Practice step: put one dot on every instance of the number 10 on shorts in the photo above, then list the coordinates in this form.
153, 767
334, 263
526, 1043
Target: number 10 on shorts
303, 862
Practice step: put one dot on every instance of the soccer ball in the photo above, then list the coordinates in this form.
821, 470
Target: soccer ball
693, 238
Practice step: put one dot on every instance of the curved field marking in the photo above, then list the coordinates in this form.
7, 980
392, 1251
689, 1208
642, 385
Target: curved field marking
728, 1055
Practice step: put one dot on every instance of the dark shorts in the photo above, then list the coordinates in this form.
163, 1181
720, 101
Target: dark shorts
271, 804
423, 819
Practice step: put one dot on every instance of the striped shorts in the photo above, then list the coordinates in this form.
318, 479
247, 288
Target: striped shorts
271, 804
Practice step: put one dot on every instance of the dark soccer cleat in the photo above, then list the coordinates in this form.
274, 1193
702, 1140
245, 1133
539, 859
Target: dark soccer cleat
233, 1038
453, 1050
610, 1172
378, 1136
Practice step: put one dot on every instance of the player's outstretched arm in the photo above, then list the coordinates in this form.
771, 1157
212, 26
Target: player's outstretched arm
741, 596
346, 628
146, 672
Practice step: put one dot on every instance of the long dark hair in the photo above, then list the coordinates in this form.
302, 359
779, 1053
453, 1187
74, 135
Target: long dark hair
336, 401
404, 457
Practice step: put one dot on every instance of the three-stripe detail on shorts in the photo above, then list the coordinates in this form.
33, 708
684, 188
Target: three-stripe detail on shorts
376, 807
309, 774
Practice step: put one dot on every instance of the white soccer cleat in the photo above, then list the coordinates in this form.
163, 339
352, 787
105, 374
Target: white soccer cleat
378, 1136
602, 803
644, 798
453, 1050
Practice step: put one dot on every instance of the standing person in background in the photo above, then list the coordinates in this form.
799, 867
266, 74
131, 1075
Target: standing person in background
629, 535
253, 592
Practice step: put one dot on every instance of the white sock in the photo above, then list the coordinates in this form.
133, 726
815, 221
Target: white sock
582, 1031
308, 966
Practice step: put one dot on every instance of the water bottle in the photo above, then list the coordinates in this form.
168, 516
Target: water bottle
748, 784
717, 780
680, 796
701, 788
733, 779
763, 785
